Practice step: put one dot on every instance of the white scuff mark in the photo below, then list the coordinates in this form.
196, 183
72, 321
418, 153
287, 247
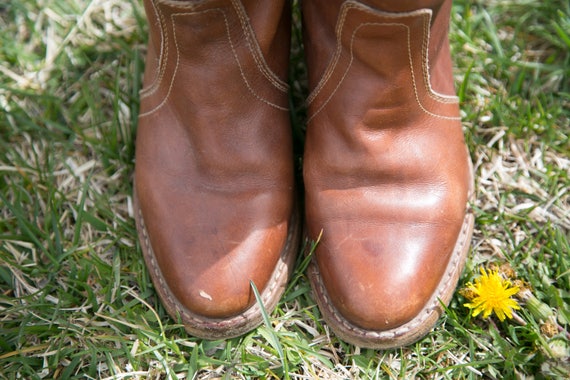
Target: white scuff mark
205, 295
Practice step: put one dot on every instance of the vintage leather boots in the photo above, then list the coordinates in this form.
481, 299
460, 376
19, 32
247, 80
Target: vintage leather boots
214, 184
387, 174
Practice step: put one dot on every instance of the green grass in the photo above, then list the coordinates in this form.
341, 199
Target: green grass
76, 300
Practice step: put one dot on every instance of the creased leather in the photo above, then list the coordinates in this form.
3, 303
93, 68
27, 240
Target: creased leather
214, 167
386, 170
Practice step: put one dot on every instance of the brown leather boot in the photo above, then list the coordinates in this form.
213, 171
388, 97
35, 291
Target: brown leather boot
214, 185
387, 173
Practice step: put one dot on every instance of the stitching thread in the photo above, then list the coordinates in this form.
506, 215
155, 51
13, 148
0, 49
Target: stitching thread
173, 76
415, 85
256, 50
228, 36
241, 69
335, 60
425, 59
163, 54
247, 29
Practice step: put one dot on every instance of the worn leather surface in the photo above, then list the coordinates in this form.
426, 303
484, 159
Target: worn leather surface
386, 170
214, 167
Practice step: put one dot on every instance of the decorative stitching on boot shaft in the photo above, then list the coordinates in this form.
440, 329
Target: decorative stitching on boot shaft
251, 46
256, 50
335, 61
249, 35
162, 55
442, 98
153, 85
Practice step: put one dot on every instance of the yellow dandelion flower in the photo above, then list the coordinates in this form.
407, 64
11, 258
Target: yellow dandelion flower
491, 293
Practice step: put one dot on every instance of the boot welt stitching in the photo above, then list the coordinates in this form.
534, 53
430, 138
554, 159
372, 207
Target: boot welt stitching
431, 307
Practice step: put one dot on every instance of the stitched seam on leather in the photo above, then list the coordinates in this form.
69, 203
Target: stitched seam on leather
247, 29
345, 8
228, 35
333, 92
185, 4
173, 75
252, 311
162, 58
424, 314
334, 61
410, 63
332, 67
416, 94
256, 50
163, 102
351, 5
442, 98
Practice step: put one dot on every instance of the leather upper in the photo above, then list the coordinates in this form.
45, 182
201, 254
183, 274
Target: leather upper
386, 170
214, 172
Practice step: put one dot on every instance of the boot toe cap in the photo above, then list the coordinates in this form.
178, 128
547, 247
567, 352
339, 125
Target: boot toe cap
214, 280
382, 280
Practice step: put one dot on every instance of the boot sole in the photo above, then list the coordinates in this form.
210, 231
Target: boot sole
411, 331
223, 328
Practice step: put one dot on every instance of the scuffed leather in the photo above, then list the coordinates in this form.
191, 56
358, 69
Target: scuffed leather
214, 166
386, 170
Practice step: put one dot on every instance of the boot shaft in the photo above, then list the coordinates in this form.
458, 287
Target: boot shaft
216, 75
207, 50
214, 192
402, 45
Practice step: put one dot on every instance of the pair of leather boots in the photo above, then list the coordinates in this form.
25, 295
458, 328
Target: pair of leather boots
386, 172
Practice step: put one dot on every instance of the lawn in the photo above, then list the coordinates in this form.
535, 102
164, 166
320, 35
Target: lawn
76, 300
